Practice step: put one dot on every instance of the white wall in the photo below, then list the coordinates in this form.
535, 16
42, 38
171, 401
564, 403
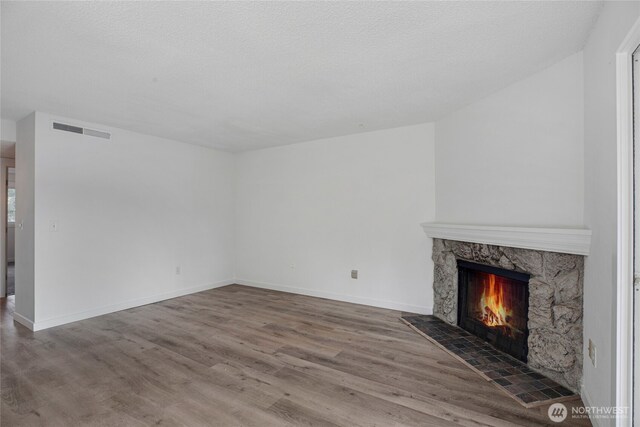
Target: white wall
7, 130
309, 213
129, 211
516, 157
600, 184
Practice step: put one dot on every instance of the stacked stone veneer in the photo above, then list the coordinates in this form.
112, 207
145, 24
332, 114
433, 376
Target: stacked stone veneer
555, 300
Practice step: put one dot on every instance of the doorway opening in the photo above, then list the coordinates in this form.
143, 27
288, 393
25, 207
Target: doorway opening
11, 232
627, 363
8, 198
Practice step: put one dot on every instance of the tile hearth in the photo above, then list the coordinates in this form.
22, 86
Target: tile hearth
514, 377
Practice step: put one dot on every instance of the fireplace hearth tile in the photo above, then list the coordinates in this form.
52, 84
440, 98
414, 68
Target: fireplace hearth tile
512, 376
526, 397
552, 394
502, 381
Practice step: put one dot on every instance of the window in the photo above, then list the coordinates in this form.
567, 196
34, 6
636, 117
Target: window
11, 205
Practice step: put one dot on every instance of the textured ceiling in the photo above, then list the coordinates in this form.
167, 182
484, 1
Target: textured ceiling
246, 75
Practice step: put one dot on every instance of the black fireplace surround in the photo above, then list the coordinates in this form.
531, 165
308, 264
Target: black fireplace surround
493, 304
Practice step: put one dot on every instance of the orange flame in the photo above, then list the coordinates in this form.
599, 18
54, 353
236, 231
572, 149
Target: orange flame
492, 304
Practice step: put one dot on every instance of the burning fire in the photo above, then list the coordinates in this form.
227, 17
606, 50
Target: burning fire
492, 304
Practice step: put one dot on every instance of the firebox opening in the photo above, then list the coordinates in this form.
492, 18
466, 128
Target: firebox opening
493, 304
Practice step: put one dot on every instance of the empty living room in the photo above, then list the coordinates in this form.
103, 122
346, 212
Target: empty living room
320, 213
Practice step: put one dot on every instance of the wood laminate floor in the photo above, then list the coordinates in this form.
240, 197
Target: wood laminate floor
243, 356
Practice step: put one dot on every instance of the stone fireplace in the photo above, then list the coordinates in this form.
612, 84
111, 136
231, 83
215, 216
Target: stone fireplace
549, 280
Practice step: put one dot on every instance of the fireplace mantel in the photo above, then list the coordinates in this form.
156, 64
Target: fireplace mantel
563, 240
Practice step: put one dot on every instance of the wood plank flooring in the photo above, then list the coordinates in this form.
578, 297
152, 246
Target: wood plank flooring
243, 356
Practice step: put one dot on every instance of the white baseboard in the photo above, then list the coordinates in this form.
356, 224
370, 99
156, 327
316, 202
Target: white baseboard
339, 297
99, 311
39, 325
23, 320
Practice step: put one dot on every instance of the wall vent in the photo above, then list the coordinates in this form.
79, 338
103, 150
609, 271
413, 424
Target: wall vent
97, 133
67, 128
83, 131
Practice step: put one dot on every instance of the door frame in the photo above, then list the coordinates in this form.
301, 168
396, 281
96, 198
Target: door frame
625, 224
5, 164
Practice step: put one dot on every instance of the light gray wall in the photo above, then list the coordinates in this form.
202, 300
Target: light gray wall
309, 213
8, 130
516, 157
129, 212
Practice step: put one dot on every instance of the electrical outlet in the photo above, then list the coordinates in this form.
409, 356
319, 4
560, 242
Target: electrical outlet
354, 274
178, 270
592, 352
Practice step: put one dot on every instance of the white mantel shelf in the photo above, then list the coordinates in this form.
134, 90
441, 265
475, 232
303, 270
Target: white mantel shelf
564, 240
